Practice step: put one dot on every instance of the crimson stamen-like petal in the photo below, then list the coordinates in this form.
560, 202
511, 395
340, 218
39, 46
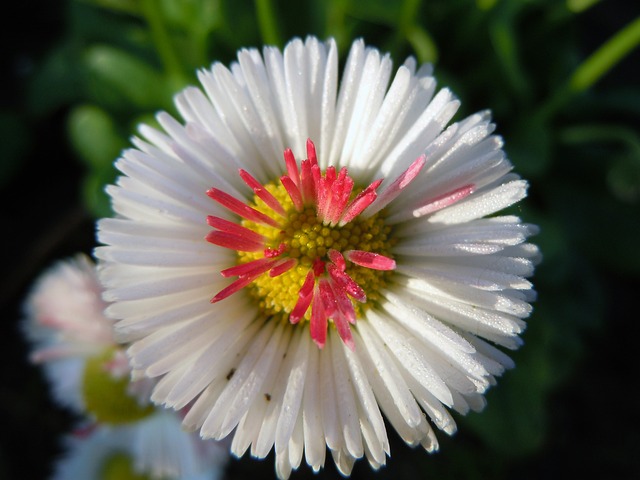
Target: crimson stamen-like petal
262, 193
283, 265
231, 227
341, 193
327, 297
397, 186
305, 296
343, 280
337, 258
344, 304
371, 260
311, 152
318, 324
307, 185
360, 203
275, 252
445, 200
236, 286
342, 325
293, 191
233, 241
262, 264
239, 208
292, 167
321, 194
343, 312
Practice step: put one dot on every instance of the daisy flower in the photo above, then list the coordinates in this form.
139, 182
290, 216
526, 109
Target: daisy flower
153, 448
66, 326
89, 373
300, 257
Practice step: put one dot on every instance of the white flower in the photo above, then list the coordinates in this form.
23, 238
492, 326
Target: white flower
296, 303
89, 373
65, 322
156, 448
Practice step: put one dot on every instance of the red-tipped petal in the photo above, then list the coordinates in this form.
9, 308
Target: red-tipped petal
327, 297
341, 193
262, 193
292, 167
239, 208
275, 252
337, 258
293, 191
231, 227
320, 193
283, 265
398, 185
307, 186
343, 303
311, 152
234, 242
258, 266
233, 288
371, 260
344, 331
347, 283
360, 203
305, 296
443, 201
318, 324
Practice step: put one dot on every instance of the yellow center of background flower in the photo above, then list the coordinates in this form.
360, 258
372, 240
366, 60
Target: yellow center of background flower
106, 397
119, 466
306, 239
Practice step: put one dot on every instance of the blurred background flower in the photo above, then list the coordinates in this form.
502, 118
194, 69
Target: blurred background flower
563, 82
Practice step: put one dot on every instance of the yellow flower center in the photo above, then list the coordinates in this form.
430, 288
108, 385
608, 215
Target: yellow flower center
106, 396
307, 248
120, 467
307, 239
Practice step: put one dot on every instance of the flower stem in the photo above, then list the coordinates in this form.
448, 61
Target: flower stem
606, 57
161, 39
267, 23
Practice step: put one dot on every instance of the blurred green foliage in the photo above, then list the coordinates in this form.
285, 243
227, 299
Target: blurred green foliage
575, 137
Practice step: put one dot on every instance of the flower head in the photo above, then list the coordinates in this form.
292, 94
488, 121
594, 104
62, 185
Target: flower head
90, 373
302, 255
154, 448
65, 323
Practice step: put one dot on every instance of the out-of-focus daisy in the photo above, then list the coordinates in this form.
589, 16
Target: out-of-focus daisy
66, 324
153, 448
296, 302
90, 373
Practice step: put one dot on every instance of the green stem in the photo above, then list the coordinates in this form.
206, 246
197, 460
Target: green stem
161, 39
593, 68
267, 23
335, 22
606, 57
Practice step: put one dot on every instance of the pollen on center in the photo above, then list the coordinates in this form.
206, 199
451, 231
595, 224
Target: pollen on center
313, 247
306, 239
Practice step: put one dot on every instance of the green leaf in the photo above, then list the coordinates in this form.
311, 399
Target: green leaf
94, 197
424, 46
117, 78
94, 136
377, 11
56, 82
606, 57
